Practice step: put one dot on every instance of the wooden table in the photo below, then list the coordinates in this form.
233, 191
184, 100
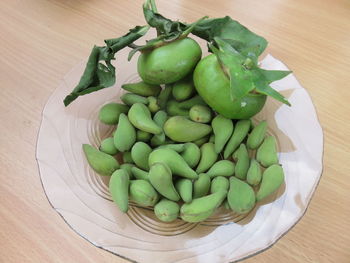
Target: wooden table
42, 40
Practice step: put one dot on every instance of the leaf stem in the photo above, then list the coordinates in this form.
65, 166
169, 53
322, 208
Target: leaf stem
153, 6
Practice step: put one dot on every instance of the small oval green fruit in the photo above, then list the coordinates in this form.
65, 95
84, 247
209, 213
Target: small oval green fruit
142, 88
201, 208
266, 154
140, 116
241, 196
191, 154
107, 146
166, 210
200, 113
125, 134
109, 113
161, 178
185, 189
208, 157
131, 98
254, 173
201, 186
257, 135
174, 160
143, 193
222, 129
139, 154
219, 183
222, 168
119, 189
100, 162
180, 129
272, 179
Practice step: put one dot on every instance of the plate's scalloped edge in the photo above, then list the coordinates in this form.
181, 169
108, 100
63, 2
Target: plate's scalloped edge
133, 261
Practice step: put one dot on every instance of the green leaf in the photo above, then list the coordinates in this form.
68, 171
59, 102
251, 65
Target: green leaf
99, 75
96, 76
262, 79
267, 90
163, 25
237, 35
273, 75
116, 44
150, 44
241, 82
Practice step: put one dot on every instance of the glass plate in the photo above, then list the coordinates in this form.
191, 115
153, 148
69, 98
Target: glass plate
81, 197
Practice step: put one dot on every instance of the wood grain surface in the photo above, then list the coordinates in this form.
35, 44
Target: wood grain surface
41, 40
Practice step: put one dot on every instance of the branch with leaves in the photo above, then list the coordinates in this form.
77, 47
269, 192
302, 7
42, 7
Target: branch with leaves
236, 47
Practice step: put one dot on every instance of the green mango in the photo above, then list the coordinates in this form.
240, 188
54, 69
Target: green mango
257, 135
214, 85
130, 99
202, 208
139, 154
166, 210
107, 146
188, 104
180, 129
241, 196
183, 89
201, 186
208, 157
164, 96
222, 128
125, 134
140, 116
169, 62
143, 193
254, 173
100, 162
266, 154
159, 118
242, 164
127, 157
221, 168
239, 133
272, 179
139, 173
174, 160
200, 113
219, 183
185, 189
176, 147
191, 154
109, 113
142, 88
201, 141
161, 178
142, 136
127, 168
173, 109
152, 104
119, 189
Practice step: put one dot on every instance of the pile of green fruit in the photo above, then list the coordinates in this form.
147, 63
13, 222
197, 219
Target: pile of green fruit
184, 132
182, 158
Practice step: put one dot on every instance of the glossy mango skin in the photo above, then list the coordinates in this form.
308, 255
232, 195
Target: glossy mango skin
213, 85
169, 63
